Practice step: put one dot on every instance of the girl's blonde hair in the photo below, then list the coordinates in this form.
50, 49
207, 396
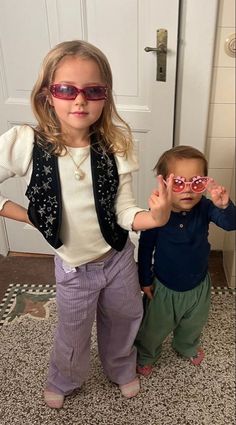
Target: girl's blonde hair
178, 152
110, 127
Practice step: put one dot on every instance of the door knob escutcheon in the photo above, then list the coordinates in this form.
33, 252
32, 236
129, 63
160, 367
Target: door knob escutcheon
161, 53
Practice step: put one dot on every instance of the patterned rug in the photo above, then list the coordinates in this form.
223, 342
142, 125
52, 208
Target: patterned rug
26, 300
177, 393
34, 300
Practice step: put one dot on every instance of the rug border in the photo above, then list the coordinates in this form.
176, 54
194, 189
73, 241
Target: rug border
13, 290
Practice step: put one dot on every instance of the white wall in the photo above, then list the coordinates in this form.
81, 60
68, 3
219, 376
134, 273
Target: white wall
221, 126
229, 248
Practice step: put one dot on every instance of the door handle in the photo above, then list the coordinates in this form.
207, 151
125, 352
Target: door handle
161, 53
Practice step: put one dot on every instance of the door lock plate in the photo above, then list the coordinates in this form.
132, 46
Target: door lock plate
161, 53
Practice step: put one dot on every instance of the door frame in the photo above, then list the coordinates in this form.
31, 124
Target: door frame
197, 31
4, 246
197, 24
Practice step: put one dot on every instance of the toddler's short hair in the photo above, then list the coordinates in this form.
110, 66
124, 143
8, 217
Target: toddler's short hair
178, 152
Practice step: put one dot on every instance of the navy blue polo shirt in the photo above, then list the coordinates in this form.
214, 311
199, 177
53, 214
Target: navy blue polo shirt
177, 253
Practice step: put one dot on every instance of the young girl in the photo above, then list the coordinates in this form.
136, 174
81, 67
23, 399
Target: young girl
78, 163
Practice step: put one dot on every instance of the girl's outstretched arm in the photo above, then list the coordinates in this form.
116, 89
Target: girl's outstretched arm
159, 207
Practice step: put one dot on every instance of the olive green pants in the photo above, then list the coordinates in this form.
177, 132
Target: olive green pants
183, 313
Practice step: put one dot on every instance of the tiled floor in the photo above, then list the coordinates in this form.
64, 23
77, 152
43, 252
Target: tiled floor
25, 269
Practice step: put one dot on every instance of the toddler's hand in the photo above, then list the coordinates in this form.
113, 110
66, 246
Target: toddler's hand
148, 290
160, 201
219, 194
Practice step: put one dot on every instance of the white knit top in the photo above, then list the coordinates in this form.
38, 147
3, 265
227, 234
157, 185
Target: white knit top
80, 231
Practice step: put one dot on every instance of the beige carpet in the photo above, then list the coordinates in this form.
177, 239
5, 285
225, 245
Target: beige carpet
176, 393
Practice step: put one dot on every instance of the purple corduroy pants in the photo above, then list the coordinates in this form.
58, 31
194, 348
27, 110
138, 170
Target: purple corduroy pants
108, 290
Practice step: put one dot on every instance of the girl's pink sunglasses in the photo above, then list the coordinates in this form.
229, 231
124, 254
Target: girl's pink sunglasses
69, 92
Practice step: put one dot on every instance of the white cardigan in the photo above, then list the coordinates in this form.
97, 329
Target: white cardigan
82, 239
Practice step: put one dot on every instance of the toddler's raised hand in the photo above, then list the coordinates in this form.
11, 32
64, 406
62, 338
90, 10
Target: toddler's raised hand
219, 194
160, 200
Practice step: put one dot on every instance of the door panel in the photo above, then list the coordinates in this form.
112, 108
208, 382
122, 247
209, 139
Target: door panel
122, 29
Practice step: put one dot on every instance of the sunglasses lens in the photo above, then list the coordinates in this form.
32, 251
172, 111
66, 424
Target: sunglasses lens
95, 93
199, 185
178, 185
68, 92
63, 91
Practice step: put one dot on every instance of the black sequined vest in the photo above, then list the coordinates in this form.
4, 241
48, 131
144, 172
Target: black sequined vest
44, 194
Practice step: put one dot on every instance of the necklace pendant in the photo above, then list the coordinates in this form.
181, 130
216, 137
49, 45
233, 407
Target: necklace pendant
77, 175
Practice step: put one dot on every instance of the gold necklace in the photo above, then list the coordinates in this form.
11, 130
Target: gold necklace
78, 173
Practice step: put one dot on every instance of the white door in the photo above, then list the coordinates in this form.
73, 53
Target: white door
122, 29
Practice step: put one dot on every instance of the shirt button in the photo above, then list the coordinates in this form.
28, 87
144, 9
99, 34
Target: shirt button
181, 225
184, 213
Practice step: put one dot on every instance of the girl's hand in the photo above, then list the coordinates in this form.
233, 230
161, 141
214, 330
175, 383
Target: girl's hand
219, 194
148, 290
15, 212
160, 200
